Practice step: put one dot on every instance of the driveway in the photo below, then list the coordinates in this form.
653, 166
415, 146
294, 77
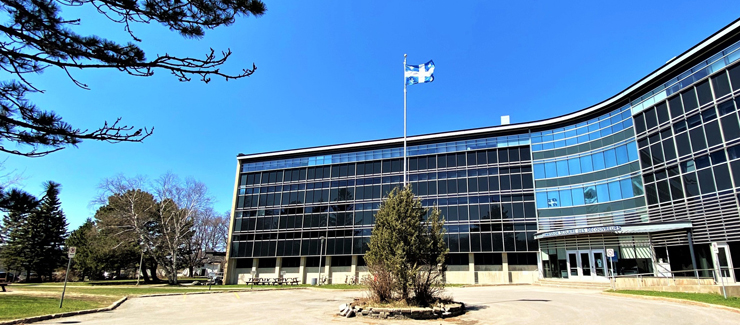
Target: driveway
487, 305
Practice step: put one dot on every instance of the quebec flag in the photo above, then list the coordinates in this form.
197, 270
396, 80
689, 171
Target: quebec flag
417, 74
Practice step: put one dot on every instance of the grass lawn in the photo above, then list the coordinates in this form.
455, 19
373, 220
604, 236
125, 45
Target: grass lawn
709, 298
20, 306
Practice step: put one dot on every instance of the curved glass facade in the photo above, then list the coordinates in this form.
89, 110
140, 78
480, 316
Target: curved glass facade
634, 175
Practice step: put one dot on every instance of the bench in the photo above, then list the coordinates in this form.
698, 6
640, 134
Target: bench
3, 286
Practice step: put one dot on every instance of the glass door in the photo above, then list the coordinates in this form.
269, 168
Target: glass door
585, 263
599, 263
724, 260
573, 265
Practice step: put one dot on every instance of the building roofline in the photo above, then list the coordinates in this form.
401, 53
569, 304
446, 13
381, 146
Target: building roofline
524, 126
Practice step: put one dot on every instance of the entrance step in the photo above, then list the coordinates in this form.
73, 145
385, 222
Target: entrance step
573, 284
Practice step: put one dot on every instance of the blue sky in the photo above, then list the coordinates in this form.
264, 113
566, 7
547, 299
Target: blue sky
331, 72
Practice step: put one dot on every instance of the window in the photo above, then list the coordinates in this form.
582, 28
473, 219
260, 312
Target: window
721, 85
691, 185
662, 110
689, 100
704, 92
676, 107
651, 119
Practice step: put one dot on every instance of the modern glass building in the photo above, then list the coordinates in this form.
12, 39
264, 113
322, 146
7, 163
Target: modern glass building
648, 176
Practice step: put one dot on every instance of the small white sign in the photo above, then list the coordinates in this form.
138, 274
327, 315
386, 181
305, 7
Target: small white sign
715, 248
72, 252
610, 252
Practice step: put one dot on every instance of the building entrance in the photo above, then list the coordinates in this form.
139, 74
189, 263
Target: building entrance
722, 256
587, 265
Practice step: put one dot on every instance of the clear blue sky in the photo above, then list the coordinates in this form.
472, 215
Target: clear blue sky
331, 72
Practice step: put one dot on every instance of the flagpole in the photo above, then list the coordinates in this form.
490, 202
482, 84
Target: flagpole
404, 122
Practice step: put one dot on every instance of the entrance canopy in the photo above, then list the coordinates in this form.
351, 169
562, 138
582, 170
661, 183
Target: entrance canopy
615, 229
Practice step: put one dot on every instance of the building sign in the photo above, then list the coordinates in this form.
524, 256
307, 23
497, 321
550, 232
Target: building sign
580, 231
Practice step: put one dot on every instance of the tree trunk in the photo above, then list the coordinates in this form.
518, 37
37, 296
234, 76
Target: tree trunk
153, 270
173, 271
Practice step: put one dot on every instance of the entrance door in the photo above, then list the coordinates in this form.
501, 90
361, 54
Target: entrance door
573, 265
599, 263
587, 265
722, 256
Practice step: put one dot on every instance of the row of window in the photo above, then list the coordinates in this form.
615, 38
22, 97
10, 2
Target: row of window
687, 78
582, 128
689, 100
454, 146
660, 147
427, 203
695, 180
386, 180
625, 123
463, 242
492, 156
587, 163
375, 192
590, 194
472, 212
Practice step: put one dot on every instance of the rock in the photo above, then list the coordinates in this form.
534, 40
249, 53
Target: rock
343, 307
350, 313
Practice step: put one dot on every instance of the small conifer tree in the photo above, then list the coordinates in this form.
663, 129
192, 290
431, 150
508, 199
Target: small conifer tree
406, 256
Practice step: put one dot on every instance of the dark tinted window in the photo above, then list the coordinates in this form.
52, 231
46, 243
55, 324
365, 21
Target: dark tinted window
721, 85
697, 139
714, 137
704, 92
503, 156
706, 181
640, 123
690, 184
689, 100
662, 111
722, 175
651, 119
730, 127
735, 77
675, 106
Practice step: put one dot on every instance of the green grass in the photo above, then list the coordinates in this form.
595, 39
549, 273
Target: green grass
21, 306
709, 298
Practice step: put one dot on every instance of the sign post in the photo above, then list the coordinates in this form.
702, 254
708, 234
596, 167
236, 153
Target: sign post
610, 255
70, 256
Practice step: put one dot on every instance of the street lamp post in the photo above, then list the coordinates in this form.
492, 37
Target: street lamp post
321, 256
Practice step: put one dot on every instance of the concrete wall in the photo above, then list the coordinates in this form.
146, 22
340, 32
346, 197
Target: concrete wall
456, 274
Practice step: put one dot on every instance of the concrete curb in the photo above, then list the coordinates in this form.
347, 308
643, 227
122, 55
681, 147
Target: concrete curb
676, 300
60, 315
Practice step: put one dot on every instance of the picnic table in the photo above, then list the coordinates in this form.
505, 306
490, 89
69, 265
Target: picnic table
275, 281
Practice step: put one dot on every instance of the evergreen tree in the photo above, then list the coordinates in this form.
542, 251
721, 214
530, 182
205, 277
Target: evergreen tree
407, 250
34, 232
48, 230
15, 253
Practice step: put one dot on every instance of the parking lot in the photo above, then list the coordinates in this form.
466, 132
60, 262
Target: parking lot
486, 305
